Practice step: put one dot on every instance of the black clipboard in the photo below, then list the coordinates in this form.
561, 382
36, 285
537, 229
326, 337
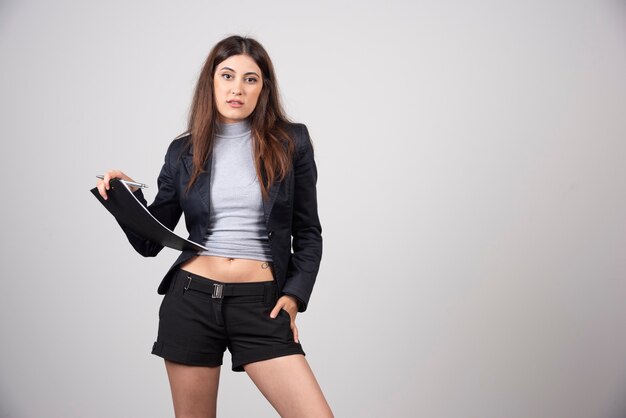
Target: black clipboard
131, 213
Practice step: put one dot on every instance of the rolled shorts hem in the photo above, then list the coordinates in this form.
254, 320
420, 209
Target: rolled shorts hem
190, 358
240, 359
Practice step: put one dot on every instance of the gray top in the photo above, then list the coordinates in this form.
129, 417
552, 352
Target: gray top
236, 221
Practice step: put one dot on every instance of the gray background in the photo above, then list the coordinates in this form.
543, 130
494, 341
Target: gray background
472, 191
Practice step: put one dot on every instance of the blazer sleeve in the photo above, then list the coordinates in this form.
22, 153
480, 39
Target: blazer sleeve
306, 232
166, 206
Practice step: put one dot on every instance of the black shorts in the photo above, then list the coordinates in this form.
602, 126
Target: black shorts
200, 317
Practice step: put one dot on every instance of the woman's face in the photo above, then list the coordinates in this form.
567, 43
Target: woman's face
237, 84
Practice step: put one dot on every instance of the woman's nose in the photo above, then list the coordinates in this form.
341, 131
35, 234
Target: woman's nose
237, 88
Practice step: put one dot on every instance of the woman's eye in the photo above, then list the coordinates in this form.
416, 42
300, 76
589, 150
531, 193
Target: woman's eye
227, 76
251, 80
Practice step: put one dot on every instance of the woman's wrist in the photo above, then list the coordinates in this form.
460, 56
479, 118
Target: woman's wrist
296, 300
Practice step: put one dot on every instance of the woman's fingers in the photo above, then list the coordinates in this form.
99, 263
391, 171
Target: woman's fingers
275, 311
291, 307
102, 189
113, 174
104, 184
287, 303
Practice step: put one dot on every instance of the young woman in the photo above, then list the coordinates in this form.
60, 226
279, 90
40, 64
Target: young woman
245, 178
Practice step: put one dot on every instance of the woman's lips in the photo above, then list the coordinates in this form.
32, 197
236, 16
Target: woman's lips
235, 103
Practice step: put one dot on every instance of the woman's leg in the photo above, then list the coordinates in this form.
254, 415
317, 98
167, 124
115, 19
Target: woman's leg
194, 389
289, 385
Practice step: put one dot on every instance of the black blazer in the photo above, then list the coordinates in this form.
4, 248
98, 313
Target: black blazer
290, 212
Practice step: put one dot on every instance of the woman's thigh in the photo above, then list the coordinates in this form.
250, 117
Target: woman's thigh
290, 386
194, 389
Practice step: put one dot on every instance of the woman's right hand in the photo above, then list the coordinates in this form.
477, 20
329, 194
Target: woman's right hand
103, 185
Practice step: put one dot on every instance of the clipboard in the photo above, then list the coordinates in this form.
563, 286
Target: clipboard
132, 214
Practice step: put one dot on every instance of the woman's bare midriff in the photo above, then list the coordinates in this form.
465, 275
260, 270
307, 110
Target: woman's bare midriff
229, 270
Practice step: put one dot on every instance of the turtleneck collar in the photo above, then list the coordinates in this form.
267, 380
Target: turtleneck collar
233, 129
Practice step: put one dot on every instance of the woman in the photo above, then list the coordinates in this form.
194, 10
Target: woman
245, 179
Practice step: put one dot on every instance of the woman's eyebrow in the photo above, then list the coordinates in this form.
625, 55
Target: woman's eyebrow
230, 69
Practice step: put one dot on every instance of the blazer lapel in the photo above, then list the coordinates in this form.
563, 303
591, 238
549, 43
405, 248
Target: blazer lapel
202, 184
268, 203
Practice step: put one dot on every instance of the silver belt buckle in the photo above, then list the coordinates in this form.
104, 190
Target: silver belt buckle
218, 291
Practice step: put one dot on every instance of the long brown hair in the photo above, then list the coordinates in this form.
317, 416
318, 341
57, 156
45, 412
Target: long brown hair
272, 145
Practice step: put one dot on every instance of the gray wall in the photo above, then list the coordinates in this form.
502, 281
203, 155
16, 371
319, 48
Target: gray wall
472, 191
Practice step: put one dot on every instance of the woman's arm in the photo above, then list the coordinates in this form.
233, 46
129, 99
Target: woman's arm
306, 229
166, 207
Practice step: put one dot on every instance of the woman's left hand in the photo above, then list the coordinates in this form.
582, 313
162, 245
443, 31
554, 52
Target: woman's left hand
289, 304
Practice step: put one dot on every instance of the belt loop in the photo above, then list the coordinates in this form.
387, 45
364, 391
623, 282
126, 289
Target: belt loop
187, 284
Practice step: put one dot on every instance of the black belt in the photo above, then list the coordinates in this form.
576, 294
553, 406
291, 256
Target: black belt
219, 290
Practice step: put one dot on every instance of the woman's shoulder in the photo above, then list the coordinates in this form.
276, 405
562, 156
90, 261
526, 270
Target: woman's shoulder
300, 135
296, 129
181, 143
178, 147
186, 134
